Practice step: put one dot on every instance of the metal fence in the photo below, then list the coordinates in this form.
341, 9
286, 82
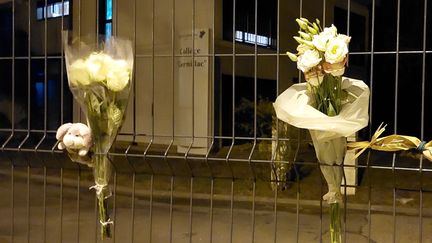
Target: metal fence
175, 181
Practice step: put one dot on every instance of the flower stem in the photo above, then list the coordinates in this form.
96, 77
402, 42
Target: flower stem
335, 223
103, 216
101, 174
328, 95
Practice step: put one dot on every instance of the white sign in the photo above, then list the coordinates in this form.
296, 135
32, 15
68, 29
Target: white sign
193, 97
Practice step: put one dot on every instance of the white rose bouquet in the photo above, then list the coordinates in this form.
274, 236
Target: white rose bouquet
100, 80
329, 106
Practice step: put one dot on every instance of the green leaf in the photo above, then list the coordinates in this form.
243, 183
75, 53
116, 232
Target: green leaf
331, 111
95, 104
115, 116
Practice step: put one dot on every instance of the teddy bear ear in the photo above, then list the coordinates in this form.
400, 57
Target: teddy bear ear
62, 130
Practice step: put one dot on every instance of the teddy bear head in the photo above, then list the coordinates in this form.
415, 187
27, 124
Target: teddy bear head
75, 137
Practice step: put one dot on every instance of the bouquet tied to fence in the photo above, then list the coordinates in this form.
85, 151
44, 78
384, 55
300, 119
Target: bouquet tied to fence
329, 105
99, 76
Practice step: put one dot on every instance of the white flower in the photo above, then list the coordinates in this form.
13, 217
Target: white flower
98, 65
321, 40
332, 30
78, 74
336, 51
344, 38
308, 60
302, 48
118, 76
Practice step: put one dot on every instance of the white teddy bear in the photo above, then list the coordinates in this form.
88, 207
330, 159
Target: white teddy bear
75, 137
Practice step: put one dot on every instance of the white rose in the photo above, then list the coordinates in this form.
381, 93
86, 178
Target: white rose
77, 73
321, 40
118, 76
308, 60
98, 65
336, 51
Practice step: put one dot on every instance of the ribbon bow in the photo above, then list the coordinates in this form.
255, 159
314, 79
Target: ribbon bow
392, 143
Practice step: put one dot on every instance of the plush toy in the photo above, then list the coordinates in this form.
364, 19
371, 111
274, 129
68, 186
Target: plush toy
75, 137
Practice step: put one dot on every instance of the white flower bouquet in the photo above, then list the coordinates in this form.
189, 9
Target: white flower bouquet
329, 106
100, 80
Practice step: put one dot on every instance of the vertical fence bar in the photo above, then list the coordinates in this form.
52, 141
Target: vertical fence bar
369, 230
45, 111
61, 113
151, 208
153, 118
193, 124
28, 78
321, 208
211, 210
173, 109
191, 208
133, 207
275, 214
96, 219
345, 198
12, 202
213, 116
78, 203
153, 70
114, 204
28, 204
233, 119
395, 115
318, 164
44, 204
255, 117
171, 209
371, 81
61, 205
423, 85
394, 199
232, 210
134, 75
371, 125
397, 68
61, 65
13, 80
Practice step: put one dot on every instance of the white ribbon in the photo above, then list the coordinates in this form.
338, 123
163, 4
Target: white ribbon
98, 188
109, 221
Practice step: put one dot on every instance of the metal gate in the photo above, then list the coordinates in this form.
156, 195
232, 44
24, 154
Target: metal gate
195, 158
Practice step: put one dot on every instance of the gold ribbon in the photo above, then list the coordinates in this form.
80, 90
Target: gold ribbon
392, 143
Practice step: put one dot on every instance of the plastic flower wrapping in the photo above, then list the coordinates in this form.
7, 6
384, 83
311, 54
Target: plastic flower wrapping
100, 76
329, 105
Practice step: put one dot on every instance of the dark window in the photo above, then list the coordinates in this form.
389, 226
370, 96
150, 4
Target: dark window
266, 31
105, 18
52, 9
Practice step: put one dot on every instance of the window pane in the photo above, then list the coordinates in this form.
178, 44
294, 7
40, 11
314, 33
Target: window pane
108, 9
108, 29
